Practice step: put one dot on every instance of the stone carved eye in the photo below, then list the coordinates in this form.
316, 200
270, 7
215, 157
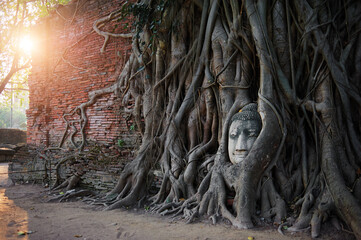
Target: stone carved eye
233, 135
252, 133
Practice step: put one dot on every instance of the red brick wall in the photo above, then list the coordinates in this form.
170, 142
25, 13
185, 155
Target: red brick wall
67, 66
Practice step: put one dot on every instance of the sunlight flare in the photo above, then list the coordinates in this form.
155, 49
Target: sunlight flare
26, 44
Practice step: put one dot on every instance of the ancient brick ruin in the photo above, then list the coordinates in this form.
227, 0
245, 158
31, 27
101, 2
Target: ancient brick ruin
66, 67
10, 141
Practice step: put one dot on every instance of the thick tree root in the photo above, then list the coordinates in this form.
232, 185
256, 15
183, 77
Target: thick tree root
69, 183
272, 203
129, 190
71, 194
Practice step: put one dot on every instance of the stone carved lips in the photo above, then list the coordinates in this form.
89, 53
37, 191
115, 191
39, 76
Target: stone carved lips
239, 156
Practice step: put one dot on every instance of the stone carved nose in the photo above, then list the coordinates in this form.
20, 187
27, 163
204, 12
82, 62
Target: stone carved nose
241, 143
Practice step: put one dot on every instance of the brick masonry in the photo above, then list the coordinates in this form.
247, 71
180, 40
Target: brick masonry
99, 167
12, 136
66, 66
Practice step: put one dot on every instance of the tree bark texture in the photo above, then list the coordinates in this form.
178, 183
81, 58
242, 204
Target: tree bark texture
195, 64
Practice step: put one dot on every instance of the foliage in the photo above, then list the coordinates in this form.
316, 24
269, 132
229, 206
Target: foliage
19, 118
148, 15
121, 143
18, 87
16, 19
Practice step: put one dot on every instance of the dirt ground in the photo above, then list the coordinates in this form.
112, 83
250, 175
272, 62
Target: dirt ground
23, 208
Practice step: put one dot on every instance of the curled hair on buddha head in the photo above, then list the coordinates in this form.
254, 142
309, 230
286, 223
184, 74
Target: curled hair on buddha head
248, 112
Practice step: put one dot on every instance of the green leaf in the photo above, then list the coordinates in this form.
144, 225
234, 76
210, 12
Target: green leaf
121, 142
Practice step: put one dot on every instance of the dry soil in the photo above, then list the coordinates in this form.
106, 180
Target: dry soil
23, 209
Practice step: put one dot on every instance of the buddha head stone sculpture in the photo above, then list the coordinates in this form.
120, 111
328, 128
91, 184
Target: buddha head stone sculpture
243, 132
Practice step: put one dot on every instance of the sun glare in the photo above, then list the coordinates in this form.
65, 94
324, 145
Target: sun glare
26, 44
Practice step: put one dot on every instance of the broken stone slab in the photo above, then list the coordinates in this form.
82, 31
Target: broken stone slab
7, 151
12, 146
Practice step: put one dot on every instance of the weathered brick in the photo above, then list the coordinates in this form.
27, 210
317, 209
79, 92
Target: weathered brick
53, 95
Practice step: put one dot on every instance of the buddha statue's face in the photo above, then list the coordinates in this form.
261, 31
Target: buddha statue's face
242, 135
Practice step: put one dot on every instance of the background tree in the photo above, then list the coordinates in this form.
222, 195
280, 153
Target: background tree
16, 43
196, 63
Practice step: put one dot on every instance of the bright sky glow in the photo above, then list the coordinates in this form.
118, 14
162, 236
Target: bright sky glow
26, 44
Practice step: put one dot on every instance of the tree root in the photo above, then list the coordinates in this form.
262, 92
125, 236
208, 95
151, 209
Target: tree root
303, 221
101, 22
69, 183
71, 194
57, 169
279, 229
272, 203
129, 190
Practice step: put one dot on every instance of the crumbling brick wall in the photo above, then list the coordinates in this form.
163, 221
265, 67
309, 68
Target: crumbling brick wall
12, 136
67, 65
99, 167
